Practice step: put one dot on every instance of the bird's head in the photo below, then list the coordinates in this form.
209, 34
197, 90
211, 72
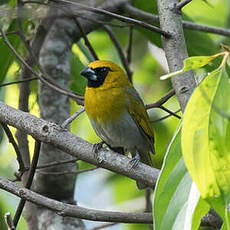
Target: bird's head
104, 74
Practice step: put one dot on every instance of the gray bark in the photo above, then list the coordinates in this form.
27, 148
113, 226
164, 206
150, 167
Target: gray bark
51, 133
175, 49
55, 61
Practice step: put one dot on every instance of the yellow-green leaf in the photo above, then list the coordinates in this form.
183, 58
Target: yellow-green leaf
192, 63
206, 139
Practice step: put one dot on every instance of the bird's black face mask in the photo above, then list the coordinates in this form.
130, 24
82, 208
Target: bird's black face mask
96, 76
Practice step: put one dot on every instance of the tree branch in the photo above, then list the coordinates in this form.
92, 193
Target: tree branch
64, 209
87, 42
19, 81
49, 132
182, 3
29, 181
103, 226
162, 100
22, 167
175, 50
46, 80
142, 15
124, 61
113, 15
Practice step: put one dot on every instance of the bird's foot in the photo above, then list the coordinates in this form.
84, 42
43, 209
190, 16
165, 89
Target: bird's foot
97, 147
135, 160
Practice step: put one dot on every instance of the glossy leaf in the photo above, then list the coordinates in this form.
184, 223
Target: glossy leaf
7, 56
176, 197
192, 63
205, 139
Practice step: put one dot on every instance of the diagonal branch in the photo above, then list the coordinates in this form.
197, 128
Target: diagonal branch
29, 181
116, 16
46, 80
22, 167
64, 209
119, 50
51, 133
181, 4
87, 42
161, 101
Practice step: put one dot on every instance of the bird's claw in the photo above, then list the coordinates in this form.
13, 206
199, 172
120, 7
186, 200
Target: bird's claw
97, 147
135, 161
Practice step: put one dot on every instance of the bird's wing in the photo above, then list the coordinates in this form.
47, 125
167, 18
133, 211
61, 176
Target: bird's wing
138, 113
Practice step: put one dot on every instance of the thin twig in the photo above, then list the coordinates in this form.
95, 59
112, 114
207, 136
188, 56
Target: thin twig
125, 25
80, 16
161, 101
87, 42
103, 226
19, 81
206, 29
75, 172
119, 17
85, 51
41, 77
181, 4
119, 50
22, 167
10, 33
169, 111
70, 119
20, 28
29, 181
148, 204
165, 117
129, 49
9, 221
55, 164
148, 200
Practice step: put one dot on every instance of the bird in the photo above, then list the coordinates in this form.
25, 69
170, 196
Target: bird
117, 112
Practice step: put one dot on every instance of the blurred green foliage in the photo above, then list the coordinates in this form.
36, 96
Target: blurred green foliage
146, 72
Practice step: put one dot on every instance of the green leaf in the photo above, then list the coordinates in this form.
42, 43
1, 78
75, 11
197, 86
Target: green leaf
7, 57
4, 2
227, 67
205, 139
176, 197
192, 63
13, 3
205, 46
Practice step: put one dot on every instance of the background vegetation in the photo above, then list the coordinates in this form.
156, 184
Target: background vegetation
100, 188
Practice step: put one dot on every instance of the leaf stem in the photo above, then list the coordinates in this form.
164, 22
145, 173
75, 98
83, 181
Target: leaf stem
224, 61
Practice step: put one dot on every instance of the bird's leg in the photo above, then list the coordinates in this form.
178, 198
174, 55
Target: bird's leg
135, 160
98, 146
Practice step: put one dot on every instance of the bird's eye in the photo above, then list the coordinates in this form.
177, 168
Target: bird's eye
104, 69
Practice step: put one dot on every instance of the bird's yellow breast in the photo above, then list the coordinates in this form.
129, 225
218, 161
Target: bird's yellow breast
104, 105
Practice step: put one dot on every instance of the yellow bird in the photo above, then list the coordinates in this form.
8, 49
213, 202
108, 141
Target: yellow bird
117, 112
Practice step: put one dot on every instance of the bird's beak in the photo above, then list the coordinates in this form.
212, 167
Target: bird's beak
89, 73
